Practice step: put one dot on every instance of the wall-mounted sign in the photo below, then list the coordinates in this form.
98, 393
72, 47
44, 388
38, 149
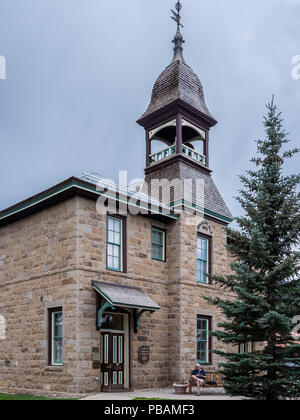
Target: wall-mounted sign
144, 353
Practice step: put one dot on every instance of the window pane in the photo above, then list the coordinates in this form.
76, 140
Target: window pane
109, 250
202, 260
116, 263
110, 236
114, 245
57, 324
56, 337
202, 340
156, 252
112, 321
158, 239
109, 262
111, 224
58, 351
117, 238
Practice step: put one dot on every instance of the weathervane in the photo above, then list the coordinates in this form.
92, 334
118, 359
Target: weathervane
177, 16
178, 40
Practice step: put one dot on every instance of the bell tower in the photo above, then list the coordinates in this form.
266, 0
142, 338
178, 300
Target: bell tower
177, 115
177, 124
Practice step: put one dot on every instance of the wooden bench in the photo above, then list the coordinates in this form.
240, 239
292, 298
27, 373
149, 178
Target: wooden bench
211, 376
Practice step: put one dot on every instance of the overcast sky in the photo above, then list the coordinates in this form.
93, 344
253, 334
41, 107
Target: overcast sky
80, 73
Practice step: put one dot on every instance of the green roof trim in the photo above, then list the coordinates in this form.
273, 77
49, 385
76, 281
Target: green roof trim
201, 210
64, 187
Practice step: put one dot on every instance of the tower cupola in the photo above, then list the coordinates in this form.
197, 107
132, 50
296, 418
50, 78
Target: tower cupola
177, 116
177, 123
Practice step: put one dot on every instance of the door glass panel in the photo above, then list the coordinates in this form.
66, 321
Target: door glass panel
113, 322
115, 349
106, 348
120, 349
115, 378
106, 379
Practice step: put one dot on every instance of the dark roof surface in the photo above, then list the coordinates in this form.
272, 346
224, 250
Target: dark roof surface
177, 81
127, 296
183, 169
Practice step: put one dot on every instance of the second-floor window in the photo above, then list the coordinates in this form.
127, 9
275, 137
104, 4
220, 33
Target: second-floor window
203, 245
158, 239
114, 244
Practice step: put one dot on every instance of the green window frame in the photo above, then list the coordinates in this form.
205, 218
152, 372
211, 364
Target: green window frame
203, 248
203, 340
158, 244
114, 244
57, 337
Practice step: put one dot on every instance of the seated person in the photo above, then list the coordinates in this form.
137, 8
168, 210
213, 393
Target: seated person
198, 377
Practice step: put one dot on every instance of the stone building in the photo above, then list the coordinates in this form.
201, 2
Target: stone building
93, 298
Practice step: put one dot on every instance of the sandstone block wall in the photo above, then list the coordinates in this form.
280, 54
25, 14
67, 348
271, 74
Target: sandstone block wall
51, 258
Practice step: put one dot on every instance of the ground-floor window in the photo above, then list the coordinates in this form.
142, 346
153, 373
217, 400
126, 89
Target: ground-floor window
2, 328
55, 336
246, 348
203, 339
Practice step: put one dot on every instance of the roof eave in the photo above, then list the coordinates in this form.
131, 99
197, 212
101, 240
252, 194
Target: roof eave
63, 191
148, 119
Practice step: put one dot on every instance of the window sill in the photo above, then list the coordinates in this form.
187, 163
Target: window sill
203, 284
114, 270
157, 259
58, 368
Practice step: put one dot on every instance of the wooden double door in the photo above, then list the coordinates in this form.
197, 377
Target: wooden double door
112, 361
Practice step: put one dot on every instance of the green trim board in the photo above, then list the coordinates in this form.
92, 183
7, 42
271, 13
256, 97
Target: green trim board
83, 186
202, 210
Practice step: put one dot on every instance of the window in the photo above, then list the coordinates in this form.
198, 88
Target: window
203, 340
114, 244
158, 244
111, 321
203, 245
56, 336
246, 348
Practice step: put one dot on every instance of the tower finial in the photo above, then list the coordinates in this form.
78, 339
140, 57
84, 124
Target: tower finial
178, 40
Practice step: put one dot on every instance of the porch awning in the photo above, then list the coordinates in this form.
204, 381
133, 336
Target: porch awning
125, 296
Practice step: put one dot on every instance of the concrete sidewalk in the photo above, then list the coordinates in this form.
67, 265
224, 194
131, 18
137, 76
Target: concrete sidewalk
212, 394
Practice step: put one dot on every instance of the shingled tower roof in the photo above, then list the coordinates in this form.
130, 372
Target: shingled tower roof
177, 82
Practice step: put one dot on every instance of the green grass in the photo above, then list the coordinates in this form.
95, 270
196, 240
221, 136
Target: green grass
13, 397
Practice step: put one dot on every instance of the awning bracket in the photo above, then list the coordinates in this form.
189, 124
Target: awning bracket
138, 316
101, 310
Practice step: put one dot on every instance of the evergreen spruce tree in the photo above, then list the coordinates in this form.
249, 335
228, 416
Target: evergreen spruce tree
265, 276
